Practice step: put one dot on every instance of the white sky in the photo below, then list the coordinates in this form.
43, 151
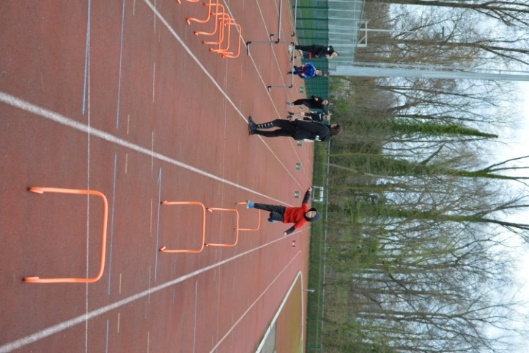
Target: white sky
519, 146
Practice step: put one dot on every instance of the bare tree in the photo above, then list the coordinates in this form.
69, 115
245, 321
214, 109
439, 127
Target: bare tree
510, 13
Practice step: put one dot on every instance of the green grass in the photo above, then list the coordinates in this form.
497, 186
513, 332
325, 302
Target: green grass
316, 260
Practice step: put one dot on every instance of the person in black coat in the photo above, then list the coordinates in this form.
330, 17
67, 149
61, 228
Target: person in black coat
319, 117
297, 129
316, 51
313, 102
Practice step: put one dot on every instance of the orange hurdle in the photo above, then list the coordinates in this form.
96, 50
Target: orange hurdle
239, 39
202, 243
220, 24
211, 209
220, 16
226, 21
42, 190
258, 220
209, 5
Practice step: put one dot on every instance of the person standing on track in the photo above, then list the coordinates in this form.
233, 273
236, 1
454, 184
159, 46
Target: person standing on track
297, 129
313, 102
318, 117
297, 215
315, 51
307, 70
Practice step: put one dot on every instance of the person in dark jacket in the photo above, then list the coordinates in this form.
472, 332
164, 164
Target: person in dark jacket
297, 129
319, 117
313, 102
297, 215
316, 51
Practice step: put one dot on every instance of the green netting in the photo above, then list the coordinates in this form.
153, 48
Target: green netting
336, 23
328, 22
312, 28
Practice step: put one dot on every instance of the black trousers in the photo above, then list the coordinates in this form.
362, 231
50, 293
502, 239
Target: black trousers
310, 48
303, 101
276, 211
316, 50
286, 128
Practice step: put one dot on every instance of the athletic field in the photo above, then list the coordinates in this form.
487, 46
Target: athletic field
121, 134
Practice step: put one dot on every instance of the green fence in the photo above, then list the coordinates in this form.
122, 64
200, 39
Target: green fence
312, 28
317, 255
334, 22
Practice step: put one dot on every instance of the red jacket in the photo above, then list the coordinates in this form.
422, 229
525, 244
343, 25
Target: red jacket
296, 215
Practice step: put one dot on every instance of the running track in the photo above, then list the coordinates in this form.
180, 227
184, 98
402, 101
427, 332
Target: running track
120, 97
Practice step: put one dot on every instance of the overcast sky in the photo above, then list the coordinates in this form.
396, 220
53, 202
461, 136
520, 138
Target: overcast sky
519, 146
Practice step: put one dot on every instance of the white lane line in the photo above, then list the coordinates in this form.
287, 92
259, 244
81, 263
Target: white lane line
63, 120
86, 56
120, 61
113, 206
257, 300
106, 345
153, 79
150, 221
148, 340
88, 170
152, 152
273, 322
158, 225
17, 344
195, 321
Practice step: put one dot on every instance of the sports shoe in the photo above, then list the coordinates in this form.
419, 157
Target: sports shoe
249, 204
251, 126
290, 48
290, 104
272, 220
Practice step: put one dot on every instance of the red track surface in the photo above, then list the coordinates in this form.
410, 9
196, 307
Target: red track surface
122, 98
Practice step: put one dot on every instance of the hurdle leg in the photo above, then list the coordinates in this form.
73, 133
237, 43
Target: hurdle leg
258, 220
211, 209
202, 242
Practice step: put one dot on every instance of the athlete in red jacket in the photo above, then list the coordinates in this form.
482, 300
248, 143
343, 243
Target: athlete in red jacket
297, 215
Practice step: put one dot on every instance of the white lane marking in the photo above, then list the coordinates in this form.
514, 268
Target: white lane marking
257, 300
63, 120
17, 344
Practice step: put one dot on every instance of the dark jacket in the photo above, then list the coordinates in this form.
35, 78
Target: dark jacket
309, 130
316, 51
315, 116
322, 50
316, 103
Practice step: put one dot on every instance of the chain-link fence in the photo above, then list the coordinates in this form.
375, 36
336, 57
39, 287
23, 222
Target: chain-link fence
328, 22
336, 23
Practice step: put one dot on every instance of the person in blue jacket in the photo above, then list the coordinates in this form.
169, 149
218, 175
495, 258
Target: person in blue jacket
307, 70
